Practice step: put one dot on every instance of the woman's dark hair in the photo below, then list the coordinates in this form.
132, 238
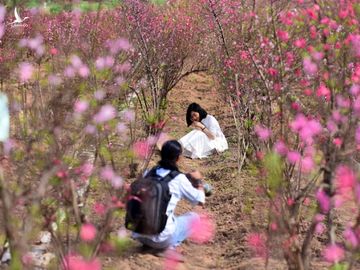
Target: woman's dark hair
170, 153
194, 107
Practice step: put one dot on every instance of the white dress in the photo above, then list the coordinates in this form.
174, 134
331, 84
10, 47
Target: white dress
196, 143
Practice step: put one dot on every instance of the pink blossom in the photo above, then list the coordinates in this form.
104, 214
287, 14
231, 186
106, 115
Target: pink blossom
355, 89
280, 148
121, 128
324, 201
283, 35
142, 148
172, 259
117, 182
310, 68
107, 173
88, 232
76, 61
90, 129
295, 106
128, 115
323, 91
272, 71
76, 262
69, 72
106, 113
257, 244
338, 142
2, 13
319, 228
119, 44
345, 180
355, 41
307, 164
99, 208
300, 43
331, 126
342, 102
202, 229
293, 157
120, 80
99, 95
25, 71
87, 169
351, 237
356, 105
317, 56
84, 71
262, 132
2, 30
100, 63
299, 122
54, 80
357, 193
54, 51
81, 106
333, 253
357, 135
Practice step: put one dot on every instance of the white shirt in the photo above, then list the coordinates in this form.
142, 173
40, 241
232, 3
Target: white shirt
180, 187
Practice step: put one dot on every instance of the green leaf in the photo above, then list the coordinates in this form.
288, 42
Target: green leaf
340, 266
274, 167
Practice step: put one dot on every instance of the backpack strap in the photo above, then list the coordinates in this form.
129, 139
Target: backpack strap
170, 176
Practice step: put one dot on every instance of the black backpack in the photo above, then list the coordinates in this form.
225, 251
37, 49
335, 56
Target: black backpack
147, 203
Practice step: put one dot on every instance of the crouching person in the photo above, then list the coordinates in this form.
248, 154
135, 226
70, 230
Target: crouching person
152, 203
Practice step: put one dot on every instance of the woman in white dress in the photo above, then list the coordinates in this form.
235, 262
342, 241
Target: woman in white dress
206, 138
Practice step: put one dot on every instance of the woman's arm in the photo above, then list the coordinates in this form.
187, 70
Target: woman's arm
203, 128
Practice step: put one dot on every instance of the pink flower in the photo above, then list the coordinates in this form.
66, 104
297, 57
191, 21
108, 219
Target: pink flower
84, 71
2, 13
54, 80
355, 41
99, 95
121, 128
317, 56
76, 61
293, 157
272, 71
257, 244
54, 51
319, 228
351, 237
355, 89
107, 173
300, 43
333, 253
81, 106
90, 129
25, 71
323, 91
357, 135
280, 148
283, 35
119, 44
69, 72
172, 259
87, 169
324, 201
76, 262
117, 182
142, 148
128, 115
262, 132
307, 164
202, 229
310, 68
342, 102
106, 113
345, 180
338, 142
99, 208
88, 232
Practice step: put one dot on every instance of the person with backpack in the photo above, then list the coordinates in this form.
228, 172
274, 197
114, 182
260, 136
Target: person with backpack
153, 200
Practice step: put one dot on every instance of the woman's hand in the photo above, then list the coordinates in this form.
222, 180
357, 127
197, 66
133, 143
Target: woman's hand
198, 125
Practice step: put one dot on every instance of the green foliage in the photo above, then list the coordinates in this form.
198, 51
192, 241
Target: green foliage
274, 168
340, 266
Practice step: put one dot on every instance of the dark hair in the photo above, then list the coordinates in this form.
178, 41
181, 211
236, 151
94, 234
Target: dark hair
194, 107
170, 153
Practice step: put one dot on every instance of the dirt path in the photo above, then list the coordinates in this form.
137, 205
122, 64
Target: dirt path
227, 251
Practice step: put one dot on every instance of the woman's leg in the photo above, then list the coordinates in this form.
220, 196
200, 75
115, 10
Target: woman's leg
183, 227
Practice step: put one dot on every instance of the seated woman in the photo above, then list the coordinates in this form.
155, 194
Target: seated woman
206, 138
